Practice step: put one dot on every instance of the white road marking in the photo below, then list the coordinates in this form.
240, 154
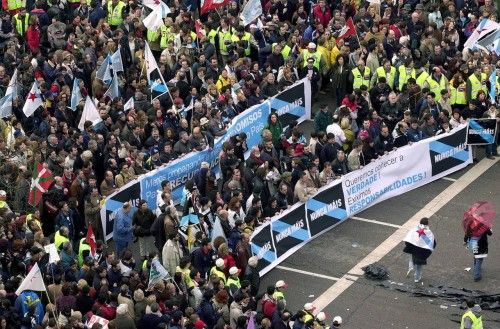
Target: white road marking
449, 179
375, 222
317, 275
393, 241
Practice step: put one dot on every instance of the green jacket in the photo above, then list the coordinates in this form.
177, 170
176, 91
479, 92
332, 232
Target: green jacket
276, 131
322, 120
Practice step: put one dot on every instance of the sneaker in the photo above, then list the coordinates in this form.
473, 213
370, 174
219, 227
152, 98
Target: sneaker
491, 157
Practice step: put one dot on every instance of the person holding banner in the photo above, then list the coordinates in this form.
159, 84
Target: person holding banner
419, 244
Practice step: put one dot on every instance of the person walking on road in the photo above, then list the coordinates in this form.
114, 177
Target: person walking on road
472, 318
419, 243
480, 250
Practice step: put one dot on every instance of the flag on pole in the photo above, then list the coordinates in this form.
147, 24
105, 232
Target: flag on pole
483, 28
260, 26
493, 84
113, 90
251, 11
217, 229
89, 113
157, 273
153, 21
207, 5
33, 281
90, 240
34, 100
129, 104
488, 39
104, 71
158, 6
116, 61
156, 81
348, 30
10, 94
76, 94
41, 181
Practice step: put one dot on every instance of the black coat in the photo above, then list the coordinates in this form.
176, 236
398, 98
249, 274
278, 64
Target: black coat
419, 255
482, 244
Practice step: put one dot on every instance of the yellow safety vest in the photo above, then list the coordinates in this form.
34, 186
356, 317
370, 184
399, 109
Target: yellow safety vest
436, 87
232, 281
278, 295
15, 4
308, 317
360, 79
403, 76
73, 1
59, 240
285, 52
82, 247
3, 204
245, 37
316, 55
457, 95
152, 36
165, 36
212, 34
392, 75
477, 322
115, 15
22, 27
224, 36
422, 78
477, 85
219, 273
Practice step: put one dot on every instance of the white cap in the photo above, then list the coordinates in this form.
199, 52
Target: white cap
321, 316
252, 261
309, 306
281, 284
3, 193
219, 262
233, 270
311, 45
253, 26
337, 320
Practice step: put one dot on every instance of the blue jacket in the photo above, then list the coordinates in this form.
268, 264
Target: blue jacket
25, 300
415, 135
122, 226
207, 313
63, 219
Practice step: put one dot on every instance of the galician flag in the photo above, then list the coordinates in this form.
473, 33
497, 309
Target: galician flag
157, 273
90, 239
33, 101
40, 183
33, 281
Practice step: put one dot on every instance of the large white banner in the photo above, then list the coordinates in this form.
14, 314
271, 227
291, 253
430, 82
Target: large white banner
391, 175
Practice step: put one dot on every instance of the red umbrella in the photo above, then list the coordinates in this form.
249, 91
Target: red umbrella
478, 219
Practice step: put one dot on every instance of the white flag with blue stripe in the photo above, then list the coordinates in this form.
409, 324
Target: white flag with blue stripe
10, 94
493, 86
251, 11
104, 71
129, 104
76, 94
484, 27
155, 79
113, 90
116, 61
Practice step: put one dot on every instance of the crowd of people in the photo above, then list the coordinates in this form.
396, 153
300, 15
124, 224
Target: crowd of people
384, 76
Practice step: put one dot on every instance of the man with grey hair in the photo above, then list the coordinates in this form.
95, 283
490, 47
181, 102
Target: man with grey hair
183, 145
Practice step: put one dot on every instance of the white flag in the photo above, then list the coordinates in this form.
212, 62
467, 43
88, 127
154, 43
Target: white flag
116, 61
153, 21
251, 11
484, 27
10, 94
158, 6
53, 254
33, 101
217, 230
155, 78
33, 281
89, 113
156, 273
129, 104
113, 90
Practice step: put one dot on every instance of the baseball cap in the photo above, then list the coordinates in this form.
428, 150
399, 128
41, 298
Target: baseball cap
311, 45
321, 316
219, 262
234, 270
337, 320
309, 307
3, 193
281, 284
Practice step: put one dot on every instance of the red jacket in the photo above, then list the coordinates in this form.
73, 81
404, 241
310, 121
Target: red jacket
322, 17
33, 36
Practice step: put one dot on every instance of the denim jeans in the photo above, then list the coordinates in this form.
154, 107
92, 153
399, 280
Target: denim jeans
418, 273
477, 268
120, 246
491, 149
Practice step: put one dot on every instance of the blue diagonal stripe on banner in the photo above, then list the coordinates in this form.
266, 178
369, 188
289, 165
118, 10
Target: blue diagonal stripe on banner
315, 205
300, 234
269, 255
112, 205
294, 109
439, 147
488, 138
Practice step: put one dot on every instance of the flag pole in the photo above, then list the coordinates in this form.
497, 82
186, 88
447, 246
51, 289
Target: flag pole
54, 313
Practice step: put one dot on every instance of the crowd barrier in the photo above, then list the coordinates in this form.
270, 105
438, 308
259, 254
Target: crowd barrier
293, 104
395, 173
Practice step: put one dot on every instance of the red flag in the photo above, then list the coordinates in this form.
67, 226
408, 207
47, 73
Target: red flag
90, 239
207, 5
40, 182
348, 30
200, 33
